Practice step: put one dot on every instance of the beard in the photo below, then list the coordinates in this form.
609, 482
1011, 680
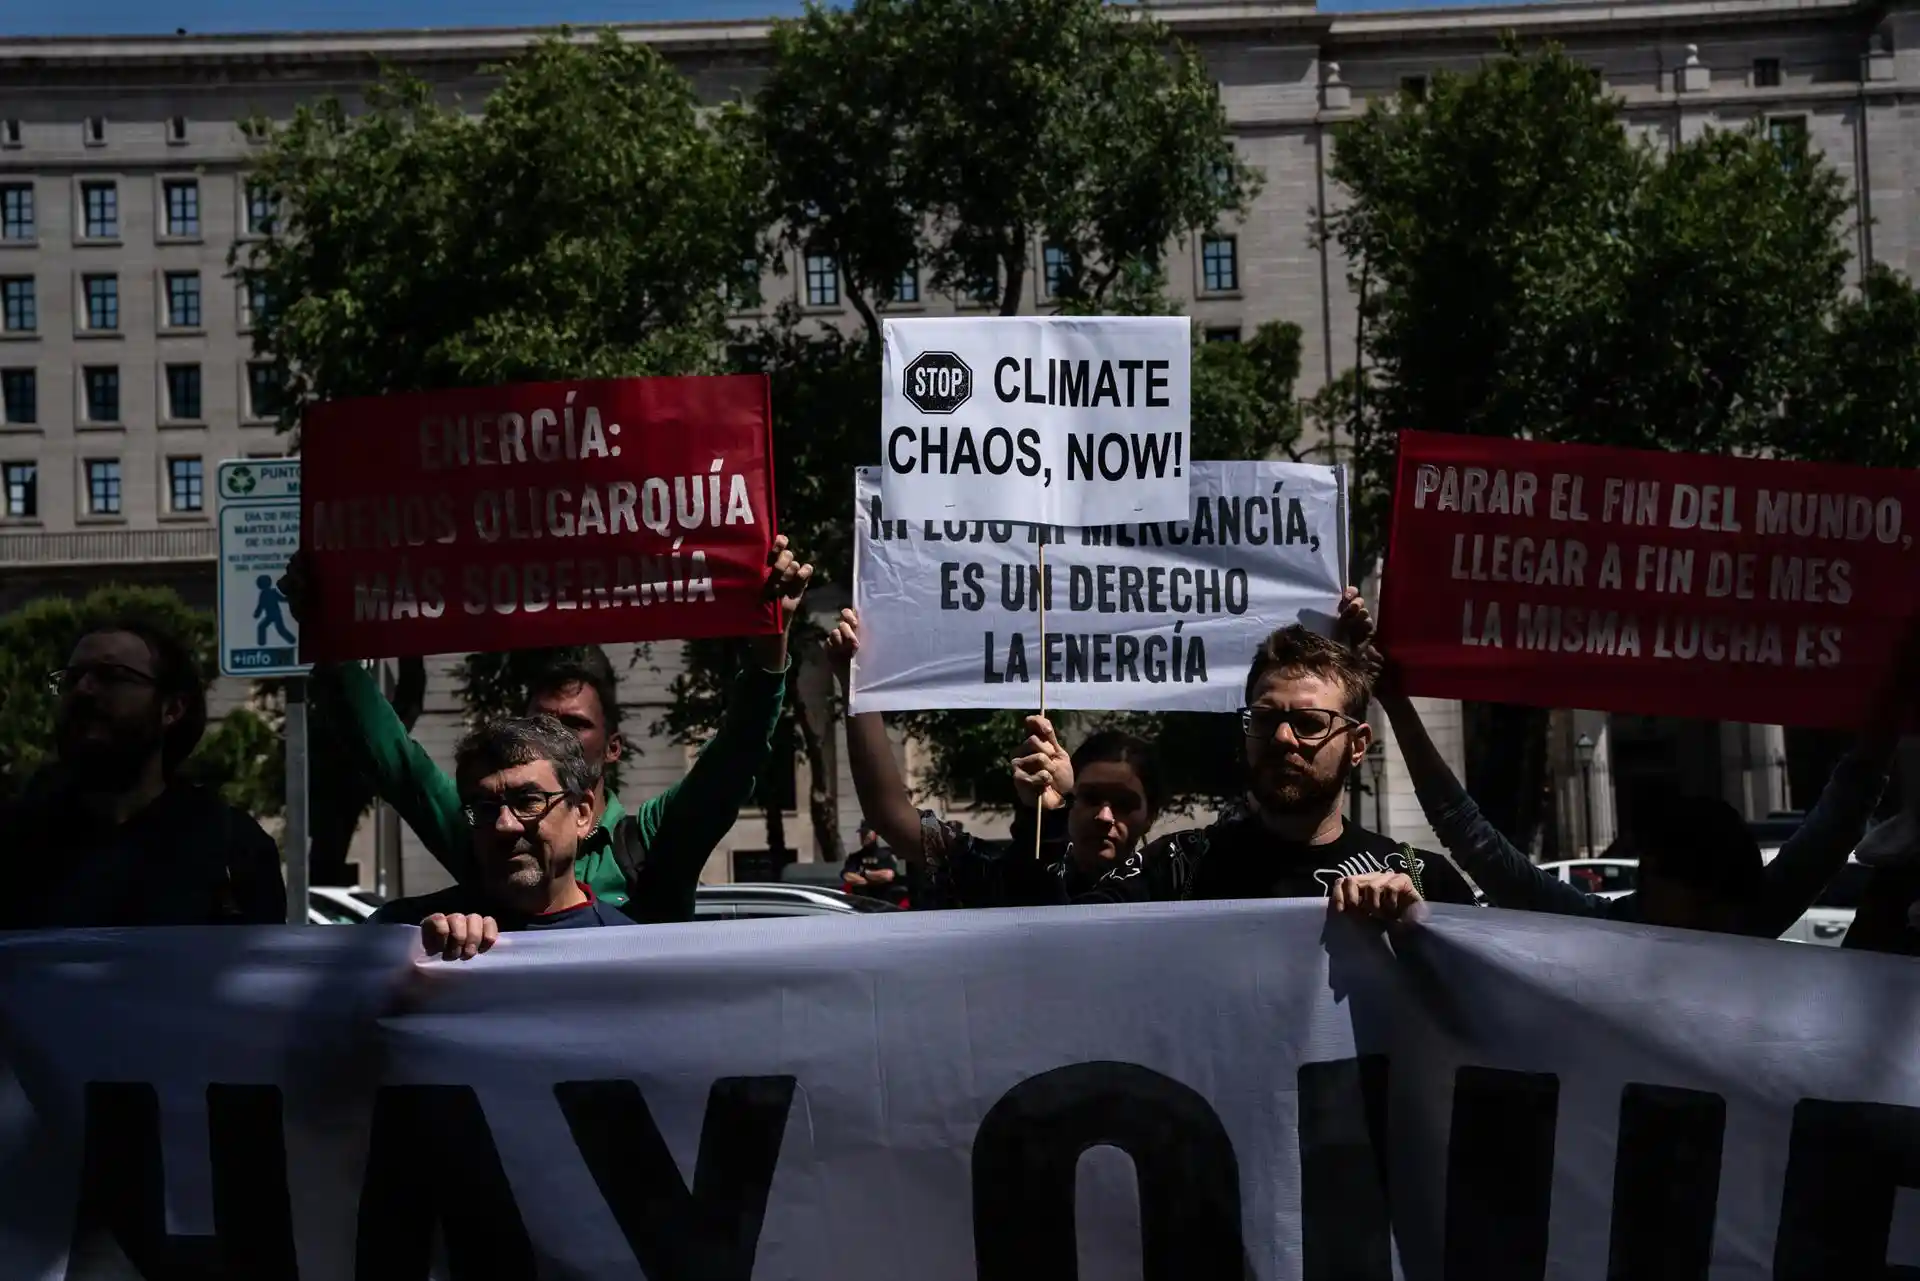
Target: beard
518, 868
1284, 787
104, 752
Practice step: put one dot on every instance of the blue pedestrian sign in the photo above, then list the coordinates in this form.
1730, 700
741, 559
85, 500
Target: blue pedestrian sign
257, 502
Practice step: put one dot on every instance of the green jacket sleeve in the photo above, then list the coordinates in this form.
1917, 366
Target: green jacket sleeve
403, 775
679, 828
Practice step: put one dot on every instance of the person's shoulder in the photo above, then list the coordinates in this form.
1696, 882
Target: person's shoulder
607, 914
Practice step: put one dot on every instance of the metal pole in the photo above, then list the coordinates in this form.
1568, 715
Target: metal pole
1586, 807
294, 844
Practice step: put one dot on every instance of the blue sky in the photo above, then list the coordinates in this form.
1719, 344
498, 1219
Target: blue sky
138, 17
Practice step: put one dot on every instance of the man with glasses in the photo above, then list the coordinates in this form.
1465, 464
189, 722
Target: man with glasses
1306, 732
526, 791
114, 835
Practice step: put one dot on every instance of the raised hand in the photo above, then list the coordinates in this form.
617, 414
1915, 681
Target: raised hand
841, 645
787, 579
1042, 772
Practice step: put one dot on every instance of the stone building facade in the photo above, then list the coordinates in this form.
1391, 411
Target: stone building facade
126, 370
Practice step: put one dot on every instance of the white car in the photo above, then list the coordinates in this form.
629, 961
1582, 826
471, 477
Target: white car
1607, 877
338, 905
1827, 921
332, 905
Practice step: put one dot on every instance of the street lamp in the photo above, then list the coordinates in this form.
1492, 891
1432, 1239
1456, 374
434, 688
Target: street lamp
1583, 752
1377, 771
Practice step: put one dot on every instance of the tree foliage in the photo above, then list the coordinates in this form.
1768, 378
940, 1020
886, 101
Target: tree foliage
1525, 268
241, 755
588, 222
954, 134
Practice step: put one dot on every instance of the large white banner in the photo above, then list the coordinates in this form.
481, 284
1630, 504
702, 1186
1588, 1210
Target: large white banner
1062, 419
1140, 617
1194, 1092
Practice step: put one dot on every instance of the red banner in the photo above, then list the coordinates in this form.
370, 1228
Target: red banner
1654, 584
496, 518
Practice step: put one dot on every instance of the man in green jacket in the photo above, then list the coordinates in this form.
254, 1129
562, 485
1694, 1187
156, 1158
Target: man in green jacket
647, 861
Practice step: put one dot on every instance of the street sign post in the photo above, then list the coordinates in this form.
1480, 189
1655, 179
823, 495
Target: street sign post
257, 506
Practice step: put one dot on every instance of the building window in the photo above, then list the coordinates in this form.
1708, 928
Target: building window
23, 490
101, 204
1059, 271
744, 293
1219, 265
96, 131
19, 397
186, 484
103, 301
183, 207
1224, 333
19, 312
183, 300
183, 393
16, 211
253, 302
823, 281
176, 129
103, 486
1789, 134
263, 390
259, 209
907, 288
10, 133
102, 385
1414, 87
1766, 73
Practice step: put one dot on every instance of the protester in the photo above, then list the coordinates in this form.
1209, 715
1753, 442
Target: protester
670, 836
1888, 918
1700, 866
1306, 732
114, 836
1085, 836
527, 791
871, 871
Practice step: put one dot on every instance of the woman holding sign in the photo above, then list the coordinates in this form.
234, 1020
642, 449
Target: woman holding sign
1700, 867
1098, 803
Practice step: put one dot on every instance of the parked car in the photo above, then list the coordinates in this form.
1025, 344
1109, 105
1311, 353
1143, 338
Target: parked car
1607, 877
1825, 924
745, 902
337, 905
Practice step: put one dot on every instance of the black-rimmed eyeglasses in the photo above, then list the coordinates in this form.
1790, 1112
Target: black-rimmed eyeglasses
1310, 725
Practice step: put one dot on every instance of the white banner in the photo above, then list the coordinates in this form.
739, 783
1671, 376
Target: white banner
1140, 617
1192, 1092
1066, 420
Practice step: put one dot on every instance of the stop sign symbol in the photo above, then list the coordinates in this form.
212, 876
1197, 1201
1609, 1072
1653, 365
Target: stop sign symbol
938, 382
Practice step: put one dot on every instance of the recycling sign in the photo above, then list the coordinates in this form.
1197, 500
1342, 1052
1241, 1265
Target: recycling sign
257, 505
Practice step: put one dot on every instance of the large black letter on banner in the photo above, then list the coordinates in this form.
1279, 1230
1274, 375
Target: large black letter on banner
123, 1191
1500, 1174
1666, 1184
1346, 1233
1836, 1209
431, 1162
1026, 1159
712, 1232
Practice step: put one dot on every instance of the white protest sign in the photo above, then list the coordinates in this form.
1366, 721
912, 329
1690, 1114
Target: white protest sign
257, 506
1069, 420
1140, 617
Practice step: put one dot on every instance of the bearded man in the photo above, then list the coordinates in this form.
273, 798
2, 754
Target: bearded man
114, 835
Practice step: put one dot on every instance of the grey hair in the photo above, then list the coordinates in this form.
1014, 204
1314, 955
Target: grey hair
523, 740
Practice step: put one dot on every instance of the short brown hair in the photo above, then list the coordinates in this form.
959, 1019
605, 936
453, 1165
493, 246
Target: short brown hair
1295, 651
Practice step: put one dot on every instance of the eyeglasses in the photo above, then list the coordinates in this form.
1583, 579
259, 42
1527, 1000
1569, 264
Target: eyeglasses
528, 807
1310, 725
63, 680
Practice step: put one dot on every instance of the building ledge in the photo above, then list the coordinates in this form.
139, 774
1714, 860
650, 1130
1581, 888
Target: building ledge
29, 549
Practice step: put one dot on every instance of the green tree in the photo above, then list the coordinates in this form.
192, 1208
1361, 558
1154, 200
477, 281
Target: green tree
1525, 269
240, 755
1862, 405
588, 222
952, 135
